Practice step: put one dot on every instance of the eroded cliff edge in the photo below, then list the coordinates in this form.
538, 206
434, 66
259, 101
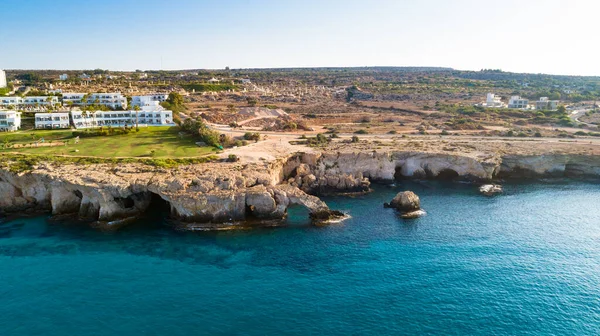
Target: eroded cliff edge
206, 193
236, 192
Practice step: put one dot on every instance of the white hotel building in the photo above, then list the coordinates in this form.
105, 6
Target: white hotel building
10, 121
29, 101
3, 82
149, 100
145, 117
52, 120
113, 100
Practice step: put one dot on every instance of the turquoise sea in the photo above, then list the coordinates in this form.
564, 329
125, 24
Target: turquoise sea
524, 263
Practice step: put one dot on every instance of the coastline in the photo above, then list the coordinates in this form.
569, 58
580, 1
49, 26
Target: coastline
238, 195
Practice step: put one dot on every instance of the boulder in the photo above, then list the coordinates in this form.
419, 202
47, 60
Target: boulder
490, 189
406, 201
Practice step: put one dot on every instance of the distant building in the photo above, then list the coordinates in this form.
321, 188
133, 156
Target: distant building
3, 82
63, 77
516, 102
10, 101
30, 101
149, 100
85, 76
213, 80
493, 101
113, 100
245, 81
55, 120
148, 116
10, 121
546, 104
40, 100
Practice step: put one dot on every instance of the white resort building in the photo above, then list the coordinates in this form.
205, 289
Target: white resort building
10, 101
63, 77
113, 100
145, 117
10, 121
30, 101
52, 120
40, 100
149, 100
516, 102
3, 82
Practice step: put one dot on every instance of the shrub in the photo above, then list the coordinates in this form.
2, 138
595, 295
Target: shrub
355, 139
361, 131
252, 136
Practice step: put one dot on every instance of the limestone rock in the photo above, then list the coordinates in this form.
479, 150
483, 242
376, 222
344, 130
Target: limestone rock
413, 214
406, 201
490, 189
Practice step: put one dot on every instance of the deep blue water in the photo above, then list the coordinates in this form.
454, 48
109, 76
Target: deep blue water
524, 263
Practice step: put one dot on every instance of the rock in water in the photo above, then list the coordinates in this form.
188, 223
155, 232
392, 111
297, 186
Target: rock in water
413, 214
490, 189
408, 203
325, 215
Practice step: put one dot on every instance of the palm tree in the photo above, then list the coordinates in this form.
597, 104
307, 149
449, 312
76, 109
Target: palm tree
137, 110
84, 100
84, 114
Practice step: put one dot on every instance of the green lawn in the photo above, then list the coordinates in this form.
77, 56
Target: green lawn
166, 142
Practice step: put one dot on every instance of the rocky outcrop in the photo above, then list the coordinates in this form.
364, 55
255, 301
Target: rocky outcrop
518, 166
490, 189
408, 203
210, 193
405, 201
234, 192
354, 171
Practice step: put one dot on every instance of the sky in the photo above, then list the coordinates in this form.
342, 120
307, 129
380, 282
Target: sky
534, 36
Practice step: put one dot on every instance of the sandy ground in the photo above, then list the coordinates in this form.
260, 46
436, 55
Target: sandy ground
277, 144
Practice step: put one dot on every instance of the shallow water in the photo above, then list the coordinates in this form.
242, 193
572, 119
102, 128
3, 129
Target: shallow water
524, 263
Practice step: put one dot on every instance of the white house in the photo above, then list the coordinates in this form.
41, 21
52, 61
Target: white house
148, 116
52, 120
2, 79
113, 100
517, 102
10, 121
493, 101
148, 100
63, 77
546, 104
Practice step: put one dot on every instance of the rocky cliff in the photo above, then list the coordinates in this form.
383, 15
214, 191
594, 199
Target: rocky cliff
353, 171
234, 192
208, 193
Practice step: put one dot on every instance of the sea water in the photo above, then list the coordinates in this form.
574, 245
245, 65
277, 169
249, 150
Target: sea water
523, 263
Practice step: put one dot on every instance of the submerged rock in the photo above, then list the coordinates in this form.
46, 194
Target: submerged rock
490, 189
323, 216
413, 214
408, 203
